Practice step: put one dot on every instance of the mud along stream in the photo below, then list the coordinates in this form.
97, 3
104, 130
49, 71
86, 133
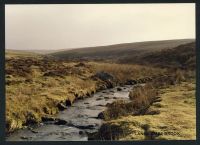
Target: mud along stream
76, 121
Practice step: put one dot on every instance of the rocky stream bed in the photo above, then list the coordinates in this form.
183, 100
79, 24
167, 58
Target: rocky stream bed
76, 122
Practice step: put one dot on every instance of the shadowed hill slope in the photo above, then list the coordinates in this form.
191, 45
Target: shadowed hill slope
119, 51
182, 56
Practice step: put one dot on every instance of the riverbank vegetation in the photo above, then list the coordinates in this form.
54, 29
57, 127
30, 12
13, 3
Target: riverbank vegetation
155, 109
153, 114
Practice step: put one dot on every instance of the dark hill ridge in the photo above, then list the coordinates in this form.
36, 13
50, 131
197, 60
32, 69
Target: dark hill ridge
119, 51
182, 56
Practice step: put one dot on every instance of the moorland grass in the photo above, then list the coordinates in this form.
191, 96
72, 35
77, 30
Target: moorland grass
36, 85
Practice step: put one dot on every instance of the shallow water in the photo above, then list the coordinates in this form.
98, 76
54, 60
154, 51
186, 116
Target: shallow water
81, 118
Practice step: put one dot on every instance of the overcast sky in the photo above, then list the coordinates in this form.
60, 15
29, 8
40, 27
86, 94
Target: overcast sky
71, 26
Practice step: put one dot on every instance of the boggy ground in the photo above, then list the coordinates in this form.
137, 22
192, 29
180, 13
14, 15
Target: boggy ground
169, 114
39, 87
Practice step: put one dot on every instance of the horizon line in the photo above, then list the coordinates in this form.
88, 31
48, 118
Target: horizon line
73, 48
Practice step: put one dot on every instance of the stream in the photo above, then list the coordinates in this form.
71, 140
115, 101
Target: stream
81, 119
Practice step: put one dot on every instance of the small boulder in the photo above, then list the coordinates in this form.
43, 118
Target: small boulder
101, 115
81, 132
103, 76
131, 82
85, 127
24, 137
119, 89
34, 131
47, 118
109, 84
61, 106
101, 105
60, 122
68, 103
99, 99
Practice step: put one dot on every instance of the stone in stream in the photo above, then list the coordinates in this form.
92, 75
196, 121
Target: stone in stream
99, 99
33, 131
61, 106
119, 89
81, 132
85, 127
109, 84
106, 97
60, 122
131, 82
25, 137
68, 103
88, 94
101, 105
47, 118
81, 115
100, 116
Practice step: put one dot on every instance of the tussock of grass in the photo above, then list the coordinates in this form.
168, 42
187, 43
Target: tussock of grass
143, 95
141, 98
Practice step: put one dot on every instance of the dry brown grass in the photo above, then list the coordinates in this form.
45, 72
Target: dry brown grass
124, 72
141, 98
33, 95
143, 94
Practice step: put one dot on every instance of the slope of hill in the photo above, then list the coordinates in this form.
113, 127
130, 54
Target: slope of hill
182, 56
19, 53
118, 51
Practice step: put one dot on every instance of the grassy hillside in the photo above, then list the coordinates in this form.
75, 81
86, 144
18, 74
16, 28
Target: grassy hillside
119, 51
182, 56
